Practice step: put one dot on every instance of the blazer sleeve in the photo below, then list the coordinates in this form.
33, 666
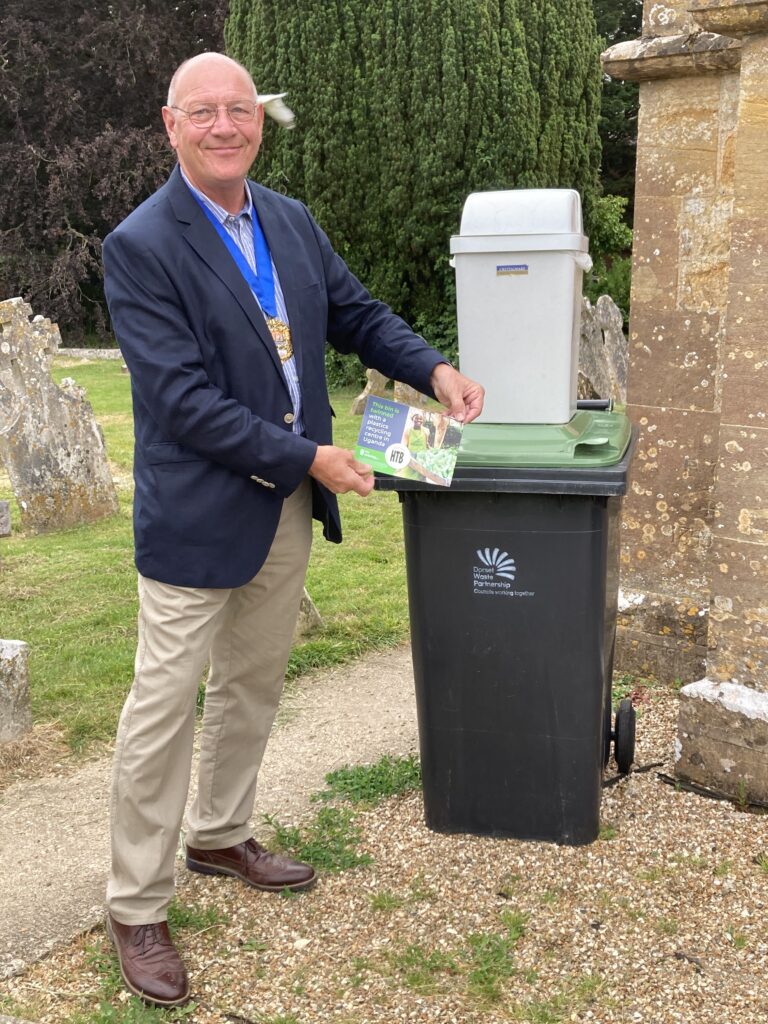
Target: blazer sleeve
172, 388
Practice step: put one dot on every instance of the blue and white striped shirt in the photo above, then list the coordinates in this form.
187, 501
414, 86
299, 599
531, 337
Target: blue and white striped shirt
239, 226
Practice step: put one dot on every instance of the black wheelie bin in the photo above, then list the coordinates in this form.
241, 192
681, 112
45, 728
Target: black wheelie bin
513, 588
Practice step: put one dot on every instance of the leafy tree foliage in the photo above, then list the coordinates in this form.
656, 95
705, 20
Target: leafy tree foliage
404, 108
81, 139
618, 20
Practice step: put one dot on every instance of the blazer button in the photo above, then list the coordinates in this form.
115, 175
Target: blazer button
289, 417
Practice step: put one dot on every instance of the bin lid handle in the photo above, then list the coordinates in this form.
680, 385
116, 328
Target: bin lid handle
582, 260
594, 442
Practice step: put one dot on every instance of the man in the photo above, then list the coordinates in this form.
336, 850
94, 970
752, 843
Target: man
222, 295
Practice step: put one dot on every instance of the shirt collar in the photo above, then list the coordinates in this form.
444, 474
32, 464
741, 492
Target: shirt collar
218, 211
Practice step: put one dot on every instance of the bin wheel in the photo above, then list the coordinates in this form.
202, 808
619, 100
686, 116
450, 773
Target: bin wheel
624, 745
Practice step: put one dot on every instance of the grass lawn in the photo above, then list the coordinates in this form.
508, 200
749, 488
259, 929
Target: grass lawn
71, 595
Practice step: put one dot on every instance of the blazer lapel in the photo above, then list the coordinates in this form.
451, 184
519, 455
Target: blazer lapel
201, 235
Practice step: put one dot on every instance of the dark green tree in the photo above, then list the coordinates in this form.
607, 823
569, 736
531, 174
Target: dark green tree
404, 108
618, 20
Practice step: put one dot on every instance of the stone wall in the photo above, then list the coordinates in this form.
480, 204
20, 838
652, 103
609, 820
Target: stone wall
695, 549
683, 212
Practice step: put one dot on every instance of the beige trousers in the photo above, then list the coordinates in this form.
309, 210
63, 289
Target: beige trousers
244, 635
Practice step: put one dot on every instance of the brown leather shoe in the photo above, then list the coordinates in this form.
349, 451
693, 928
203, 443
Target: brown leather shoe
150, 966
254, 865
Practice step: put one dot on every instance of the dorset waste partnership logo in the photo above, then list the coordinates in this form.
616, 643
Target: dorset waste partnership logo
499, 562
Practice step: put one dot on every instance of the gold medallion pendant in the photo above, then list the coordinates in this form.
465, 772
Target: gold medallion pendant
281, 335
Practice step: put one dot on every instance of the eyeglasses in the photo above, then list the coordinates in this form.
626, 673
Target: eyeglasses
204, 116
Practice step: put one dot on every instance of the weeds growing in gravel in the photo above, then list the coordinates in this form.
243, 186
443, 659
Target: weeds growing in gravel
485, 960
610, 902
654, 874
280, 1019
386, 900
621, 686
507, 886
490, 957
420, 890
329, 842
421, 970
738, 939
254, 946
181, 915
561, 1007
369, 784
666, 926
550, 896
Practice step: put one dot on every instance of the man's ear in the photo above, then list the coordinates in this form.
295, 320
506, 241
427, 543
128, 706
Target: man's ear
169, 120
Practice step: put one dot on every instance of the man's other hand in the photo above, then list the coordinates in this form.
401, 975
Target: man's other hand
339, 471
462, 397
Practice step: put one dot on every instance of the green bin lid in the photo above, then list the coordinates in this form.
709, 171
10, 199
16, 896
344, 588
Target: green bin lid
590, 439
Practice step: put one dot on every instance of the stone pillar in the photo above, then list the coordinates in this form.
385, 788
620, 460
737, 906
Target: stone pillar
15, 713
723, 729
683, 207
738, 631
695, 555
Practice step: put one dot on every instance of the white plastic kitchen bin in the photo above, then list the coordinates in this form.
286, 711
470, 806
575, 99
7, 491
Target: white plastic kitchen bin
519, 259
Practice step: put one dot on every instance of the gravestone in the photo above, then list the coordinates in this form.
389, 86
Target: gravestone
602, 351
309, 617
15, 711
50, 444
377, 384
5, 519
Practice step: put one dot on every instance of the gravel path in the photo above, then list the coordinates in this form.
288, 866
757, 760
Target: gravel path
663, 920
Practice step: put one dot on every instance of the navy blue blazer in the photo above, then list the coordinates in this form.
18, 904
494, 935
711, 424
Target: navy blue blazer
215, 454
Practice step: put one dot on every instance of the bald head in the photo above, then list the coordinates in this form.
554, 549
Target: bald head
214, 122
199, 65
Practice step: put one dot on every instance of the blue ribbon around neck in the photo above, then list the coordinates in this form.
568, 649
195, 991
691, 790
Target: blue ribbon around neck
262, 283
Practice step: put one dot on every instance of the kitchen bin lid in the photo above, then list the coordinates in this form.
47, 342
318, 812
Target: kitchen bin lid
524, 211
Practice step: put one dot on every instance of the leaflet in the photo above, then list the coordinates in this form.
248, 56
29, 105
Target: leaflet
408, 441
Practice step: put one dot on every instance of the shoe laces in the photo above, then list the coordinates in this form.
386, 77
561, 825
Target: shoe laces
149, 936
254, 851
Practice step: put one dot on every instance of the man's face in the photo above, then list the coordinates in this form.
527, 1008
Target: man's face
219, 157
417, 421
